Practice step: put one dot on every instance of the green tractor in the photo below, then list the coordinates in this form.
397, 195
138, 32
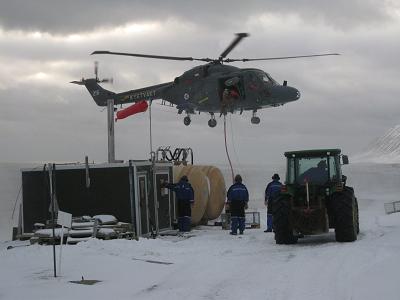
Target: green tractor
315, 198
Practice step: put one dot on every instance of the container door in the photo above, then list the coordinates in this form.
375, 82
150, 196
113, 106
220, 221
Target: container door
143, 204
152, 206
164, 202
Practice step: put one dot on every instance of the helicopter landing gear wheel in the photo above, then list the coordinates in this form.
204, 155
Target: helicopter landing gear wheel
187, 120
254, 118
212, 122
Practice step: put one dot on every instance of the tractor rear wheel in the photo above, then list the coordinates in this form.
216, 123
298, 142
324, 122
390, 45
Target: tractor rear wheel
282, 221
346, 216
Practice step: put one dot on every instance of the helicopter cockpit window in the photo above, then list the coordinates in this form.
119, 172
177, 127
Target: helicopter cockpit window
271, 79
266, 78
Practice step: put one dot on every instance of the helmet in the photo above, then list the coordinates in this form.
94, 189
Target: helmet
184, 178
276, 177
238, 178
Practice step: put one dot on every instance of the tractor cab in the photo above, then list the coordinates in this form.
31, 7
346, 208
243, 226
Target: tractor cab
314, 167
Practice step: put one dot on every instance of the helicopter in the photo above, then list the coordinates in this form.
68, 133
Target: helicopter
212, 88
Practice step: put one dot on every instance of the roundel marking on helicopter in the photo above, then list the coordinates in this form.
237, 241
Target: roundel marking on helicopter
186, 96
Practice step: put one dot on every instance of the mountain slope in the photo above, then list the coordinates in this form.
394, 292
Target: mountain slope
385, 149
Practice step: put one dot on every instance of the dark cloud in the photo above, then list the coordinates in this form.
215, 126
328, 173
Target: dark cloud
60, 17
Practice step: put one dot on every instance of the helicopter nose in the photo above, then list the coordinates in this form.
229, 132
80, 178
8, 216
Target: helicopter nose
285, 93
294, 93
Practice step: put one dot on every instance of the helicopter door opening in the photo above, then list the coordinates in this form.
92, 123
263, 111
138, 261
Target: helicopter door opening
230, 91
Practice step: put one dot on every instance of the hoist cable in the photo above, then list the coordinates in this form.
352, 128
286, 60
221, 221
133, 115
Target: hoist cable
234, 148
226, 150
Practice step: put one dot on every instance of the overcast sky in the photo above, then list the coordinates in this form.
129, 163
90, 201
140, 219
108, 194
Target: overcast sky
346, 101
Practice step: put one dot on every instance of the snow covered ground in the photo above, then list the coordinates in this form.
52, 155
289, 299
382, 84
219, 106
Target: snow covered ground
210, 264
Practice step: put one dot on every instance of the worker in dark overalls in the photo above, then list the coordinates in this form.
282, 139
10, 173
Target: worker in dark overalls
272, 193
237, 199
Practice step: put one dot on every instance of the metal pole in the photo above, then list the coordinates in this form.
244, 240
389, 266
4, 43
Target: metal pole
87, 177
20, 229
151, 137
61, 244
110, 130
132, 193
52, 216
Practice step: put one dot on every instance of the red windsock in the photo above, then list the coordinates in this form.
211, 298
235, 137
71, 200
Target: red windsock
131, 110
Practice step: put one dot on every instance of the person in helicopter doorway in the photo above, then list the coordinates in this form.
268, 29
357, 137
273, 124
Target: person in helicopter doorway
237, 199
185, 199
229, 96
271, 194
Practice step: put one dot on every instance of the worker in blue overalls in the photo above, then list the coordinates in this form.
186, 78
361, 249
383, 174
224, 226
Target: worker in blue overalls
238, 197
185, 200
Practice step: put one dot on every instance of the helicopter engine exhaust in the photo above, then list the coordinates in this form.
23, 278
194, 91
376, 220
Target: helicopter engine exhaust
138, 107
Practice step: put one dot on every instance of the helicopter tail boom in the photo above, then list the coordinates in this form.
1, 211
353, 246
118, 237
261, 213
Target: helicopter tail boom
101, 95
144, 94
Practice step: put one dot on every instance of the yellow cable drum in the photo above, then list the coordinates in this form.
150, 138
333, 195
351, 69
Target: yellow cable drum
209, 189
217, 196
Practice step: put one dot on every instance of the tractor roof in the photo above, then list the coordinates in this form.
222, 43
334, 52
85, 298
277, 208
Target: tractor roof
312, 153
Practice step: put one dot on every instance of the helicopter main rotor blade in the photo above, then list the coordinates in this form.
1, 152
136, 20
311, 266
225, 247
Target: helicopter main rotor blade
228, 60
239, 37
152, 56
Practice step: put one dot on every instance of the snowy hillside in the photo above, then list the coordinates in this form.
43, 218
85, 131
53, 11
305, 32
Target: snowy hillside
208, 263
385, 149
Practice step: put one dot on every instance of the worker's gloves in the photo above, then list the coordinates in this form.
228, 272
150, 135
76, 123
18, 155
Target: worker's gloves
163, 184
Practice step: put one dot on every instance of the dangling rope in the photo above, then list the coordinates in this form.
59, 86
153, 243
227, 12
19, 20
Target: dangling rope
226, 150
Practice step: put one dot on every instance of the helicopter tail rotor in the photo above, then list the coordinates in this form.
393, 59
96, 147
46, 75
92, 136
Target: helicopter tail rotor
81, 82
96, 73
107, 80
96, 70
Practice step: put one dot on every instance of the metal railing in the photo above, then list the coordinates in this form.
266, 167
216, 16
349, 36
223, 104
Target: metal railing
392, 207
